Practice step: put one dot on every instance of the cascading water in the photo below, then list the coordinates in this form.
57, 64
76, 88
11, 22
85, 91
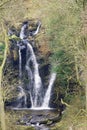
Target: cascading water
39, 97
20, 64
22, 95
37, 79
48, 92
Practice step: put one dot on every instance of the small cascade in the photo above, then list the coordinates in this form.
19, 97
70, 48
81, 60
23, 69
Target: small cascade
20, 64
39, 97
23, 30
48, 92
22, 97
35, 75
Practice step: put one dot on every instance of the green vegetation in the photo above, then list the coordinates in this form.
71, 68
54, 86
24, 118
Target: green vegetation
68, 43
64, 33
1, 51
2, 112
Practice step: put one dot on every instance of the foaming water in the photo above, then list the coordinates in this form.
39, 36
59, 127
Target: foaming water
34, 109
41, 108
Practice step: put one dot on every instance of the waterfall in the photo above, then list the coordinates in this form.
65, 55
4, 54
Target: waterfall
20, 64
22, 97
23, 29
37, 30
36, 91
37, 99
48, 92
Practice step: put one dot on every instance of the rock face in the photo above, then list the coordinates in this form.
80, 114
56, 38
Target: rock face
11, 85
11, 71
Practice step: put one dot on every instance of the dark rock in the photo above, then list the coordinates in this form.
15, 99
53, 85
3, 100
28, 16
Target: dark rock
13, 59
26, 120
38, 118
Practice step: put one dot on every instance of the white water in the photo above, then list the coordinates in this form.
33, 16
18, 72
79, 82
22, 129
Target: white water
20, 64
48, 92
37, 98
37, 78
21, 95
37, 30
22, 32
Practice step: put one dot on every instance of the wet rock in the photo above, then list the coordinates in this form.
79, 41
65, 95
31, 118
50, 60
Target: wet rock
43, 61
25, 120
41, 127
35, 119
39, 120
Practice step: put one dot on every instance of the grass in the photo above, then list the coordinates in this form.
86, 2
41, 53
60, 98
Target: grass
60, 34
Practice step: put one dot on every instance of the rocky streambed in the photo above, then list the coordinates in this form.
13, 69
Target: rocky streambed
36, 119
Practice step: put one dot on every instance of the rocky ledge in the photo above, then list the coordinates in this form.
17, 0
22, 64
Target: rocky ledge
40, 119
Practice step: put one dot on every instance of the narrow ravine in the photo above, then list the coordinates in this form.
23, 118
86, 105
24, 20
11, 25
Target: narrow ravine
36, 98
39, 97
